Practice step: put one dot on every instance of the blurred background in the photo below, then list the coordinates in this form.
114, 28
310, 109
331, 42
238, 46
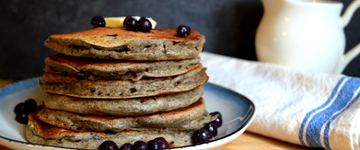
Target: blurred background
229, 27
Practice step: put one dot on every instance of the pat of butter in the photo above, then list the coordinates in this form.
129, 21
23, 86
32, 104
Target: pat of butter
118, 22
114, 22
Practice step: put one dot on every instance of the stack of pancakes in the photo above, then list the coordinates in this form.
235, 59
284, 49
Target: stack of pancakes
123, 86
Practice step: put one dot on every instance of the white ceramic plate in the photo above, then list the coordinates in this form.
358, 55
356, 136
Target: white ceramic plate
237, 113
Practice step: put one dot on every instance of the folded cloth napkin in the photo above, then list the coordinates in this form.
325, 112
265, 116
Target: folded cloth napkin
310, 109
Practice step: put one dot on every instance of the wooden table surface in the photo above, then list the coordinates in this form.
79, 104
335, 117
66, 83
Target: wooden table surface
247, 140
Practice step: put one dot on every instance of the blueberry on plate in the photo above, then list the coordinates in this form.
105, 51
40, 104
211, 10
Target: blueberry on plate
162, 141
201, 136
153, 145
216, 113
31, 105
126, 146
21, 107
139, 145
22, 117
212, 128
183, 31
218, 120
108, 145
98, 21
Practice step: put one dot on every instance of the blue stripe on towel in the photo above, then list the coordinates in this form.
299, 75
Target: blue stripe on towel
340, 99
302, 126
354, 82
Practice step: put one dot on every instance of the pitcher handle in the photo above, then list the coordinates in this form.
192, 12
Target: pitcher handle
349, 12
351, 54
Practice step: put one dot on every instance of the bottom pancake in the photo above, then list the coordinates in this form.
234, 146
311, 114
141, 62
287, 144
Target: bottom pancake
194, 116
38, 132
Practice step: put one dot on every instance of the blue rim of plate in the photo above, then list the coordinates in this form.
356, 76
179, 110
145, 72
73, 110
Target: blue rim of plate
14, 87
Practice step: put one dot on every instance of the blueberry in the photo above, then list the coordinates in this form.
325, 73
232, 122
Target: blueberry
218, 120
98, 21
163, 143
126, 146
22, 117
144, 25
31, 105
201, 136
126, 18
131, 24
108, 145
153, 144
183, 31
21, 107
216, 113
212, 128
139, 145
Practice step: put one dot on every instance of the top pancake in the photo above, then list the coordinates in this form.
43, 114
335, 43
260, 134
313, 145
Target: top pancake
118, 43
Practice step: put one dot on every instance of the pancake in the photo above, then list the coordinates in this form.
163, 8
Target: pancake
118, 43
119, 89
192, 117
95, 69
127, 107
38, 132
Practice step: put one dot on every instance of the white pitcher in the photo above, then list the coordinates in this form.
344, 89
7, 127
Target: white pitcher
307, 35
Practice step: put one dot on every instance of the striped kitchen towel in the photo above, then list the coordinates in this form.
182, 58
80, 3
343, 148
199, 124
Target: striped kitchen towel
310, 109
